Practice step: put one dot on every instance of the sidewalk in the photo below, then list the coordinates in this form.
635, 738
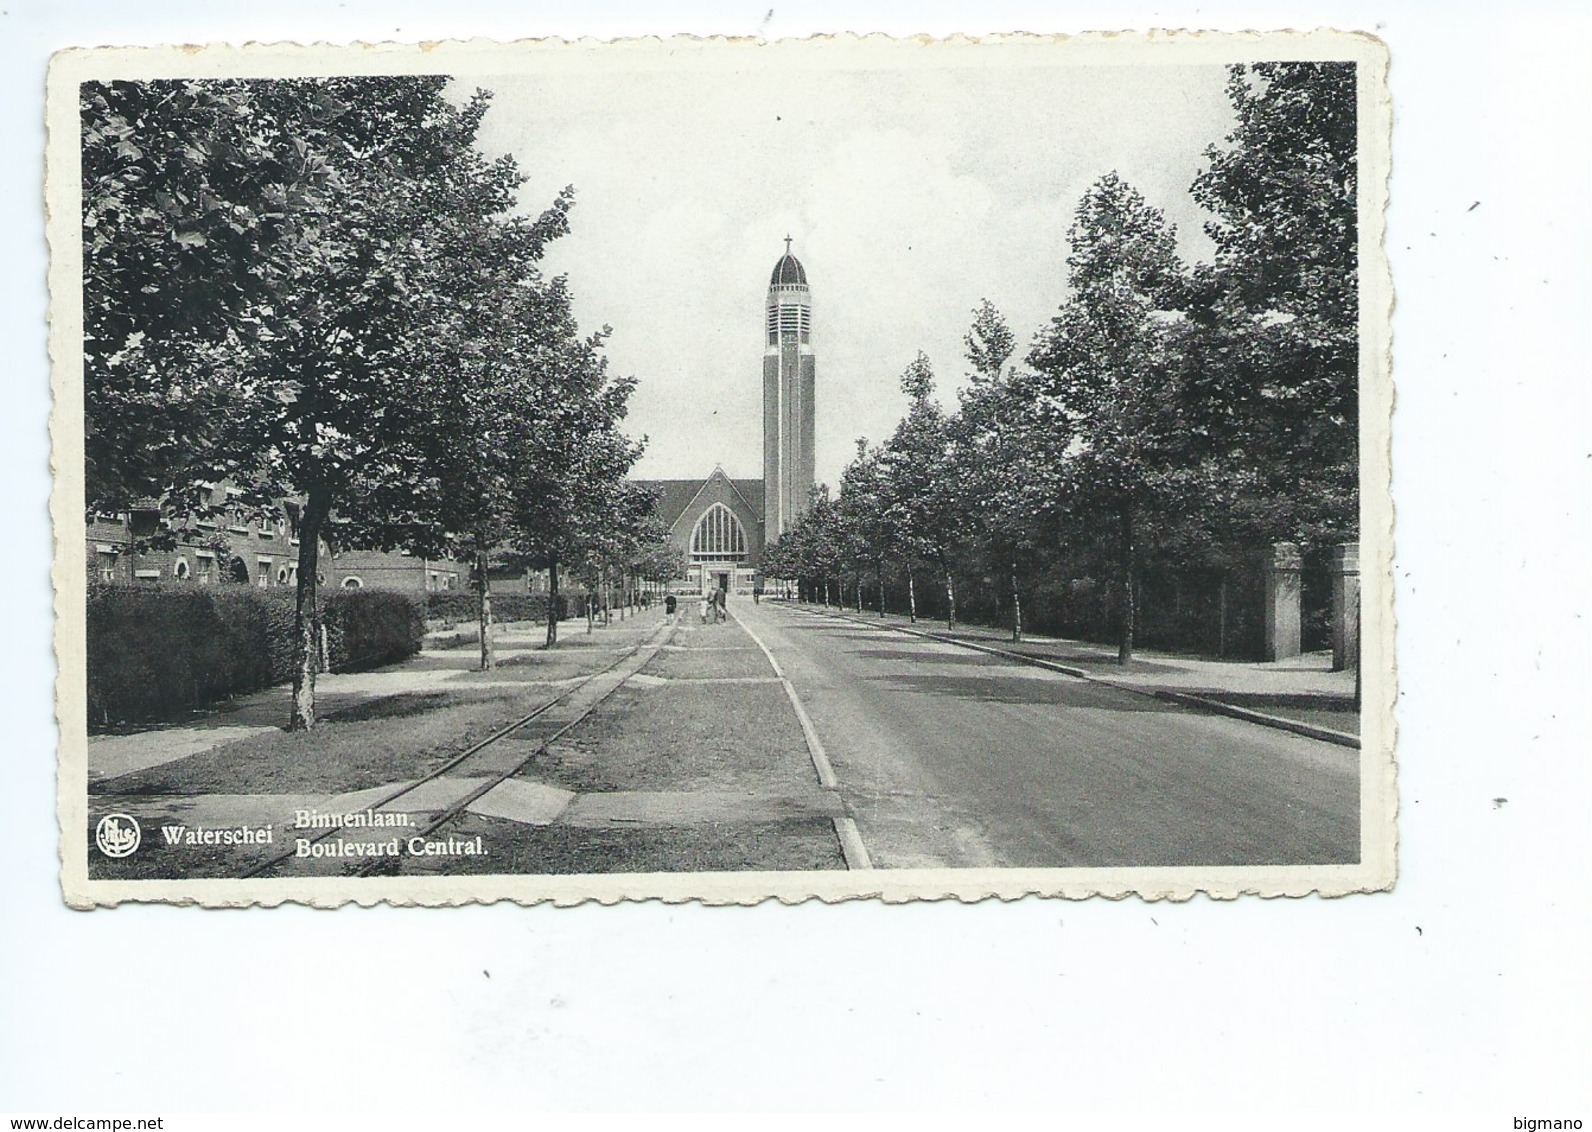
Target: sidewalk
1301, 694
521, 659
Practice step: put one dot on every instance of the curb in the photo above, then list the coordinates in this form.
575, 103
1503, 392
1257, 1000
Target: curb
850, 838
1187, 699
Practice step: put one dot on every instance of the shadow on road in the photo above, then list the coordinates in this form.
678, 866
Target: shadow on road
1028, 690
975, 660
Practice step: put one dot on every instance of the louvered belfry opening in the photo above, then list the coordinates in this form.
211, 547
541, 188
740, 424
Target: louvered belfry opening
718, 537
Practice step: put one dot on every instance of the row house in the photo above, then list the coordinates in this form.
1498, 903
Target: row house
241, 545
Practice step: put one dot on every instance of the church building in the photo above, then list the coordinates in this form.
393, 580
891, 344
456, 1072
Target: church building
723, 524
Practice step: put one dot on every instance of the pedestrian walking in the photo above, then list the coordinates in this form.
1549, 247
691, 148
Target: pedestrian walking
702, 609
720, 601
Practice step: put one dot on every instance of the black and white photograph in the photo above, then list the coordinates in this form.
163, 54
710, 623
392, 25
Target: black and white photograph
696, 468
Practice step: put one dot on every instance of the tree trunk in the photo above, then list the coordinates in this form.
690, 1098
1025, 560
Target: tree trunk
912, 595
858, 594
306, 614
484, 607
1221, 617
1125, 645
950, 597
1017, 609
552, 599
879, 577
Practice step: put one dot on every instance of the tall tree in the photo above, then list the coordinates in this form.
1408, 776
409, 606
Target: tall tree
333, 414
1011, 444
492, 391
1280, 305
928, 510
567, 491
190, 190
864, 505
1105, 362
348, 214
197, 195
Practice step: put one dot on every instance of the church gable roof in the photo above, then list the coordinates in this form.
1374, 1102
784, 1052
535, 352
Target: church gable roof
675, 496
752, 492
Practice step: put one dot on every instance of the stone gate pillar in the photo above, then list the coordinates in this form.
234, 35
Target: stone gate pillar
1345, 606
1281, 572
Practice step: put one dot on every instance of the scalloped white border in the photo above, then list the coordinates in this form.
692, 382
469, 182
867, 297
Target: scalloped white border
1378, 772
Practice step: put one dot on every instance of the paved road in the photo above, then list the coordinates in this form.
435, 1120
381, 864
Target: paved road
948, 757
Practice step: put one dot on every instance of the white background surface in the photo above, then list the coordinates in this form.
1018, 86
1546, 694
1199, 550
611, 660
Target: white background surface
1467, 987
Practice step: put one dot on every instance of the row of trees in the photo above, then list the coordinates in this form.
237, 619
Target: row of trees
321, 293
1170, 415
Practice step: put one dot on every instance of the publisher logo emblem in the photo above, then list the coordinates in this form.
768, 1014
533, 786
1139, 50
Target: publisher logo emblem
117, 835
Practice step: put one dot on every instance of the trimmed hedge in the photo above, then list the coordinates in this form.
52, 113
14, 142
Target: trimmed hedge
158, 652
370, 628
459, 606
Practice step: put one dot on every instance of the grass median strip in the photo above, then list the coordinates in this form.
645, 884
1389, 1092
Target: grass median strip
399, 737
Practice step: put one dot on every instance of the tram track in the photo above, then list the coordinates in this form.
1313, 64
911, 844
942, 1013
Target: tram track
495, 778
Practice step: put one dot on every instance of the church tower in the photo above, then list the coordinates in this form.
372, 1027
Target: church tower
789, 370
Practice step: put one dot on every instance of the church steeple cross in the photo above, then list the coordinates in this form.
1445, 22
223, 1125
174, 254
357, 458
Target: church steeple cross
787, 245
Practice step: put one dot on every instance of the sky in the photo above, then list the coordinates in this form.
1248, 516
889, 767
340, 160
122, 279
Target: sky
911, 191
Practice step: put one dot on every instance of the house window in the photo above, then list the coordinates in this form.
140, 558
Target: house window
267, 527
284, 575
204, 566
352, 583
147, 575
179, 569
263, 574
105, 561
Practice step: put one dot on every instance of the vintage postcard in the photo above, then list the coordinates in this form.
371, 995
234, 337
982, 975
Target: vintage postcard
723, 470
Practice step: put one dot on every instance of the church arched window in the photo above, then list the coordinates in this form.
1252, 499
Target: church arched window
718, 536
